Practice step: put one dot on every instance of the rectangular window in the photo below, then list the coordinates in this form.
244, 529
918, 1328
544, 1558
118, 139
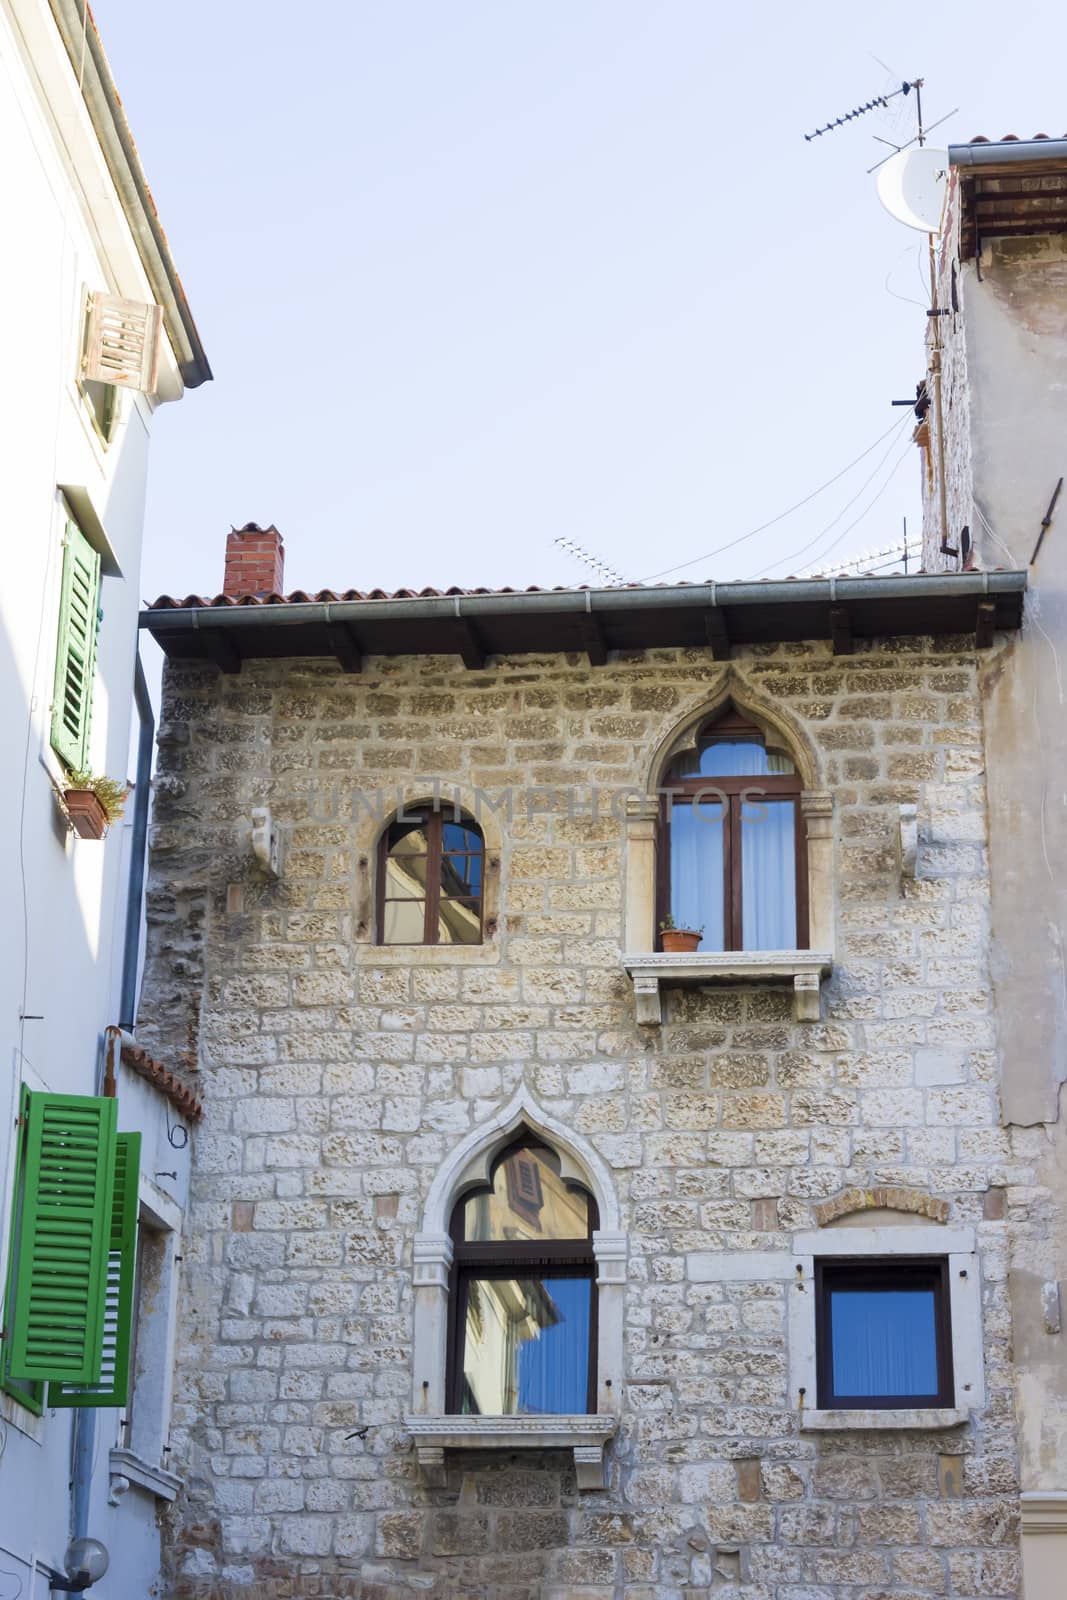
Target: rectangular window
526, 1344
883, 1334
79, 617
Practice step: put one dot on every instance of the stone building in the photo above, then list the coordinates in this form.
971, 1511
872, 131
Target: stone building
995, 444
525, 1258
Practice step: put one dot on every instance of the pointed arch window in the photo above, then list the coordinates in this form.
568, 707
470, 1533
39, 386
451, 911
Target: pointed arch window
731, 856
430, 879
523, 1304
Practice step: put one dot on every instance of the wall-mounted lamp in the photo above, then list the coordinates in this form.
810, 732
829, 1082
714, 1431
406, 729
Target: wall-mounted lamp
86, 1560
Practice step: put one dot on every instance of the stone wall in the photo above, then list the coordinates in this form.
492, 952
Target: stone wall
336, 1076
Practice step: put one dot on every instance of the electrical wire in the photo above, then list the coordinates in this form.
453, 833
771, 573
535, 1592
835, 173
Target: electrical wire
709, 555
777, 562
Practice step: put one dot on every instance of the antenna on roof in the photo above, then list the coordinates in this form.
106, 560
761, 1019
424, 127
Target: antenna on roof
604, 572
881, 101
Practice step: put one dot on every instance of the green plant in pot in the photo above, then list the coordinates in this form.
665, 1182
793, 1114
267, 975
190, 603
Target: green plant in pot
93, 802
678, 941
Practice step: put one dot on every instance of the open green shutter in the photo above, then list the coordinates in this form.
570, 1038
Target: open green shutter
72, 697
55, 1316
113, 1385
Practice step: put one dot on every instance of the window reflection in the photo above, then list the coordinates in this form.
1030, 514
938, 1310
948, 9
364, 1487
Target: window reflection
431, 876
526, 1345
529, 1200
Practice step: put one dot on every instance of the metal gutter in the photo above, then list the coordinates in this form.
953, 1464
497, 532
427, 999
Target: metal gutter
131, 949
573, 602
109, 123
1011, 153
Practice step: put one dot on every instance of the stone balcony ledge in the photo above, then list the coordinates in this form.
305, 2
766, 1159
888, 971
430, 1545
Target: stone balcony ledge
803, 970
586, 1435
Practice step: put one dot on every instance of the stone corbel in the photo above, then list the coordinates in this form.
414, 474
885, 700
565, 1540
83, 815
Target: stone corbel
265, 841
118, 1485
649, 1005
908, 842
806, 1006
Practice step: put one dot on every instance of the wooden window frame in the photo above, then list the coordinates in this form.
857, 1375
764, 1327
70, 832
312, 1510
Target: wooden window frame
512, 1258
433, 819
755, 789
931, 1271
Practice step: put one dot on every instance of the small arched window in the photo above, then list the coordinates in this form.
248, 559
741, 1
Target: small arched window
430, 879
523, 1301
732, 860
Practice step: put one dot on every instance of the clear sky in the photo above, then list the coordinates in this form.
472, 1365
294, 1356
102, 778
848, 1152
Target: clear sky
473, 275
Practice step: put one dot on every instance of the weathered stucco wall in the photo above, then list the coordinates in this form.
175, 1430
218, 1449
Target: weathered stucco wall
1009, 344
337, 1076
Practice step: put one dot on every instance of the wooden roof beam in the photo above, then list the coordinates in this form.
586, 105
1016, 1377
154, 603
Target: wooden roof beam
345, 646
841, 630
717, 634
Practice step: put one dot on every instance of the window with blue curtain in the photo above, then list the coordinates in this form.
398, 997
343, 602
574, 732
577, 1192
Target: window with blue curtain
883, 1334
732, 860
523, 1307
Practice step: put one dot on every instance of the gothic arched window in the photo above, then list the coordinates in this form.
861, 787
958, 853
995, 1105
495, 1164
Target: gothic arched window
523, 1298
732, 859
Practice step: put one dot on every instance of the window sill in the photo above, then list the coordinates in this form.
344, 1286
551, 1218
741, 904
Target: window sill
586, 1435
127, 1469
651, 971
922, 1417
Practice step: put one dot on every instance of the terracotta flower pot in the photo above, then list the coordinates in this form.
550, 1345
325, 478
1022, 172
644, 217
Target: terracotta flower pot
87, 816
678, 941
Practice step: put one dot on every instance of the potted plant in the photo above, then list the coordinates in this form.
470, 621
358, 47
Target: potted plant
92, 803
677, 940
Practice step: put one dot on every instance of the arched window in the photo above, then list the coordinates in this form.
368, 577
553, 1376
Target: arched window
523, 1302
430, 879
732, 860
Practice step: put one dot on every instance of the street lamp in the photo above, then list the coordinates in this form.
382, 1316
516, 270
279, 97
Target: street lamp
86, 1560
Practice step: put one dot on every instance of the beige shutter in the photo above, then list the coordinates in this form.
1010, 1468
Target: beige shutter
122, 342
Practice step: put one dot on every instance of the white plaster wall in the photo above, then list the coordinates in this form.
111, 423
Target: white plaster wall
64, 235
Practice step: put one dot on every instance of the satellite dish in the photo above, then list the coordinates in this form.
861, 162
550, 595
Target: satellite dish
911, 186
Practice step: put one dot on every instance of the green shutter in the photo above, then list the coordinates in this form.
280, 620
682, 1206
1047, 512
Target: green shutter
72, 697
111, 1390
55, 1314
29, 1394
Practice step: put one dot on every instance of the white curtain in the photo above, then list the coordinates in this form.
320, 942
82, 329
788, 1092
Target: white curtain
768, 876
884, 1342
697, 870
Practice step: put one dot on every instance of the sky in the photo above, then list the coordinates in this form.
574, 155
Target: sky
476, 276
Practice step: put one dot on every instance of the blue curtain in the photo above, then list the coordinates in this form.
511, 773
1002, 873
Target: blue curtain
884, 1342
697, 870
554, 1366
768, 876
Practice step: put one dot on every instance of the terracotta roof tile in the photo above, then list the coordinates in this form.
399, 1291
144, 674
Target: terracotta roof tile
221, 602
170, 1087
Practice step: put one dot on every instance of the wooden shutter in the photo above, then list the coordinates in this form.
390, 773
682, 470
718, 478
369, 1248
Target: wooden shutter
72, 697
55, 1314
122, 342
112, 1388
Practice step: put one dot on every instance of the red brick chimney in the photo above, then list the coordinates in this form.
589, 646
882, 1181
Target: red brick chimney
255, 561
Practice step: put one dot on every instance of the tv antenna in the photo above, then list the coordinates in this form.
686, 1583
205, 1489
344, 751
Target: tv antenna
604, 572
881, 102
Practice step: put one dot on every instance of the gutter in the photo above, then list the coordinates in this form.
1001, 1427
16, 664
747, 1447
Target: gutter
123, 163
139, 833
1011, 153
578, 602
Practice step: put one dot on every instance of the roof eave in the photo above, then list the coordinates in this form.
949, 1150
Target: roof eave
120, 153
712, 615
1008, 153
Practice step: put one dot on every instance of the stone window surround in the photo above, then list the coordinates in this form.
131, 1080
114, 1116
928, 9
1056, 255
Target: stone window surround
369, 830
139, 1461
889, 1241
435, 1430
804, 969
